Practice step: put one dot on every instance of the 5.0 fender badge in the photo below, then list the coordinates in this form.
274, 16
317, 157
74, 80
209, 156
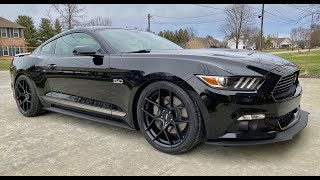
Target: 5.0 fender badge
118, 81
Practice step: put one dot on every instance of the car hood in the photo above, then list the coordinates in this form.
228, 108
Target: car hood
234, 60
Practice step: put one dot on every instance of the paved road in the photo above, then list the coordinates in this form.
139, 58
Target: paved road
56, 144
303, 50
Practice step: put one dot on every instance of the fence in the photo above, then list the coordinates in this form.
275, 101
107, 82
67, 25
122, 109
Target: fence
28, 49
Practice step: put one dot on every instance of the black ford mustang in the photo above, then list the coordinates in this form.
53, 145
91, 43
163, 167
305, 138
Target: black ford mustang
176, 97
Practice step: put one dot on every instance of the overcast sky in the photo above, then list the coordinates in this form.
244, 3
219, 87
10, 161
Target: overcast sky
135, 15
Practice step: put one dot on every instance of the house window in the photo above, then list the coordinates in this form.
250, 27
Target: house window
3, 32
17, 50
5, 51
16, 33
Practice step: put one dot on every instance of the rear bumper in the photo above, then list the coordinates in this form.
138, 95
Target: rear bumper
281, 136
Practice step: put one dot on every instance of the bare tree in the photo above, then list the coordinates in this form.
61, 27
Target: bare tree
315, 36
238, 18
191, 31
252, 36
70, 14
294, 37
299, 36
99, 21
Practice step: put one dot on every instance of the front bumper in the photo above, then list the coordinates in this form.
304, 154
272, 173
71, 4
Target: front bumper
286, 135
221, 109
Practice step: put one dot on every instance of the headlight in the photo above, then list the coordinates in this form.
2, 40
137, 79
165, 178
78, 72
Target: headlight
232, 83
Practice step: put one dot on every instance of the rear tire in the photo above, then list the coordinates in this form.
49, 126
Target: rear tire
26, 97
171, 122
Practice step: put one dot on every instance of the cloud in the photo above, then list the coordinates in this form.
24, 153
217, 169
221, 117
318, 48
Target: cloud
135, 15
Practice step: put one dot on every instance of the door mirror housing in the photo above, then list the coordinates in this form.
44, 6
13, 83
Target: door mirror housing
84, 51
88, 51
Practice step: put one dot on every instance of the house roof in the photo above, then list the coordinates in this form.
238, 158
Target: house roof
206, 41
279, 39
8, 24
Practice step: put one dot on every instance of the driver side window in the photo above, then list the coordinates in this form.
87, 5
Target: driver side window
67, 43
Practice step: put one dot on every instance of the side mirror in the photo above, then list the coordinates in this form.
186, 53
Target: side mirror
84, 51
88, 51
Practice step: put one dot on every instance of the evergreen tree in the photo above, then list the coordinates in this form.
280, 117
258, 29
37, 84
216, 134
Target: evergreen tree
46, 31
30, 32
57, 27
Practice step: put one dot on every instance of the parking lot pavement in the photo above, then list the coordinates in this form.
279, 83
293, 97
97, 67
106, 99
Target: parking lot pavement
56, 144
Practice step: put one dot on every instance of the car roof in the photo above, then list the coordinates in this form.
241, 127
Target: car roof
94, 28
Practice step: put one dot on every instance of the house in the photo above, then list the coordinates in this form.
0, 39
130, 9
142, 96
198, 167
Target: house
282, 43
243, 44
198, 43
11, 38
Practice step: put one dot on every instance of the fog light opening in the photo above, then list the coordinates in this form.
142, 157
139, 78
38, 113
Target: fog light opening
251, 117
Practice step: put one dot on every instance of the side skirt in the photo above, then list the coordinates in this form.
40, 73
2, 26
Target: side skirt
88, 117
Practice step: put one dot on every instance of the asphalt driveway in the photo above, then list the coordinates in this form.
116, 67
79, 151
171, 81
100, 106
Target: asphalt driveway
56, 144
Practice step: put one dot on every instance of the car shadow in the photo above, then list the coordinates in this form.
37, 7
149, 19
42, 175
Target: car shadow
267, 150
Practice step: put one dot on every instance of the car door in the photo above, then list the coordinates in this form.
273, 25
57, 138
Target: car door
79, 82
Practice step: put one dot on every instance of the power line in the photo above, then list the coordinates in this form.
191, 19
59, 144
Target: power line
297, 7
275, 20
286, 21
178, 23
208, 7
280, 13
185, 17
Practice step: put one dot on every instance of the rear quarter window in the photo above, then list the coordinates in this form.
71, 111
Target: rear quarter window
48, 48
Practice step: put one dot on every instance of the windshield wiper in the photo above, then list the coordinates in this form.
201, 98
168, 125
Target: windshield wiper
140, 51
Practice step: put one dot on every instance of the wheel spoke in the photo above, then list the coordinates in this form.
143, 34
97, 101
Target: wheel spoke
178, 131
27, 105
24, 86
157, 136
171, 99
153, 116
150, 125
23, 106
19, 85
165, 133
180, 106
160, 99
184, 120
154, 103
20, 102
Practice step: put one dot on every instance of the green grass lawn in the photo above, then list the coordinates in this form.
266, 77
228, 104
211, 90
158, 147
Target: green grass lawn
309, 62
4, 64
276, 50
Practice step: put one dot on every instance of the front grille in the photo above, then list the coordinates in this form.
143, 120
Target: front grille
285, 83
286, 119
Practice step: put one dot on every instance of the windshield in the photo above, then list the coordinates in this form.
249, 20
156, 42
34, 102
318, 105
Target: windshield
134, 40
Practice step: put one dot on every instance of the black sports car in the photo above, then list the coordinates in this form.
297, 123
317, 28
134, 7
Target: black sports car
176, 97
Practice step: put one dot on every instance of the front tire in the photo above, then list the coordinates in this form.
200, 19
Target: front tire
168, 118
26, 97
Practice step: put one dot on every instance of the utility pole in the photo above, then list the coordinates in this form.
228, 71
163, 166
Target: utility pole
261, 30
149, 16
310, 32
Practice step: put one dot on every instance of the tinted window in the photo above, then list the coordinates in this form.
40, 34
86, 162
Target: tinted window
47, 48
134, 40
67, 43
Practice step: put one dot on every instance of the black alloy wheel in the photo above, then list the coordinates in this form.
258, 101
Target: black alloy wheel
23, 95
169, 118
26, 97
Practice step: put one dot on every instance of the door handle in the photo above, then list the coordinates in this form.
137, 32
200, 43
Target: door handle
51, 66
